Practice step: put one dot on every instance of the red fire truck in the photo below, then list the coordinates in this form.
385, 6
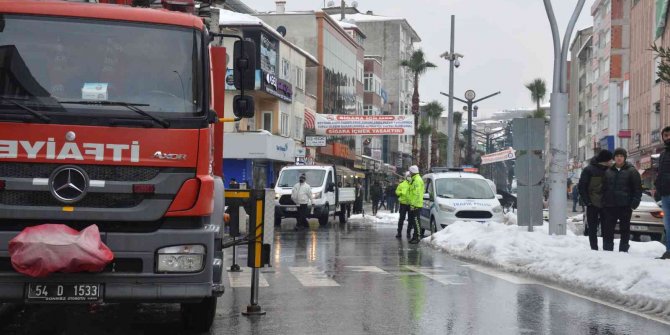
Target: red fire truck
110, 115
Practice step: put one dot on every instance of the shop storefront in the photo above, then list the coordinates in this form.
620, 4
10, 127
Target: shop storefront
256, 157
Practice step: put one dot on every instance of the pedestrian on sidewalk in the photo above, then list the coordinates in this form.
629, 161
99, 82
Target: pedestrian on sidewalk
375, 195
402, 191
575, 198
416, 190
622, 193
302, 196
591, 191
391, 198
382, 199
358, 198
662, 184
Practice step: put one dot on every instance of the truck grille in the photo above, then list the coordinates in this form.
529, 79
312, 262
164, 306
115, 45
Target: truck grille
474, 215
118, 265
94, 200
95, 172
286, 200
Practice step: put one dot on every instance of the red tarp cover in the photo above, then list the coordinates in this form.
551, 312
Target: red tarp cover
40, 250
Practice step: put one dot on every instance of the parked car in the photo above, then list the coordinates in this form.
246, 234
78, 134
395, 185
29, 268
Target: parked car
458, 196
647, 220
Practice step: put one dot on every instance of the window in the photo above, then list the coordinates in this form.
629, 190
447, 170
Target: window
300, 80
657, 63
267, 121
367, 82
608, 36
297, 128
284, 127
367, 110
285, 69
463, 188
604, 93
359, 71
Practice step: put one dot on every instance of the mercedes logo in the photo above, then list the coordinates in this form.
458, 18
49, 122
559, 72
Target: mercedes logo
68, 184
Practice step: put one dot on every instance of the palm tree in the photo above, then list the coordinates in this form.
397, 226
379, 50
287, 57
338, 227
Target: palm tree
434, 111
417, 65
538, 91
458, 118
423, 131
443, 141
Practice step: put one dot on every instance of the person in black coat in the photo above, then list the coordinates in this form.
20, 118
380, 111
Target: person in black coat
662, 185
622, 193
376, 193
591, 192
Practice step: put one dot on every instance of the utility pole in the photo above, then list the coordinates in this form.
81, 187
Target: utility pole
469, 101
453, 62
558, 173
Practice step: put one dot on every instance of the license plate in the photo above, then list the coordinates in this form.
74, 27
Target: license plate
290, 209
639, 228
63, 292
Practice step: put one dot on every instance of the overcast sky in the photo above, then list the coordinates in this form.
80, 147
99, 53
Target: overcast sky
506, 43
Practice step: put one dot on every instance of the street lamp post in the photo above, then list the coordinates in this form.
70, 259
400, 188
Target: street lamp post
452, 57
558, 172
470, 101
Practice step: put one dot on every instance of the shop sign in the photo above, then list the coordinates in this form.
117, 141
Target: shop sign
277, 87
315, 141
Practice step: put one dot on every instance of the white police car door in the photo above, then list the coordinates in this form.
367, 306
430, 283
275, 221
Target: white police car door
427, 204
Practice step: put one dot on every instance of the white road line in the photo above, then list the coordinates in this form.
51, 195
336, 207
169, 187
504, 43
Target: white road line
310, 276
372, 269
438, 275
520, 280
243, 279
508, 277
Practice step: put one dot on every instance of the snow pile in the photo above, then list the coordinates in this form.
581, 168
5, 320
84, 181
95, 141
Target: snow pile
382, 218
635, 280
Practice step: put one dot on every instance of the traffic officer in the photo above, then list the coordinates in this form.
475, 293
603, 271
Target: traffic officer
416, 190
402, 191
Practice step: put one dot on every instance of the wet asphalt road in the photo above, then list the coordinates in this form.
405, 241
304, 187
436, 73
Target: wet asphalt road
357, 278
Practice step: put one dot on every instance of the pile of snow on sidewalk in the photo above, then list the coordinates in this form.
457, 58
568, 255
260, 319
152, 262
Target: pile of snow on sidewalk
382, 218
635, 280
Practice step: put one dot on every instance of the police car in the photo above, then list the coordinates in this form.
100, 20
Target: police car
454, 195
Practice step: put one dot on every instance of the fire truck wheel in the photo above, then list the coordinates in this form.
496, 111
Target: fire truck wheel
199, 316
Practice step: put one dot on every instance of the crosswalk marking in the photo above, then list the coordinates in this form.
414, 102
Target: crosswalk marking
243, 279
500, 275
310, 276
438, 275
372, 269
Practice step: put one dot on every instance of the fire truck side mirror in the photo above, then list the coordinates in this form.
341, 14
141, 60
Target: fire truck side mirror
244, 68
243, 106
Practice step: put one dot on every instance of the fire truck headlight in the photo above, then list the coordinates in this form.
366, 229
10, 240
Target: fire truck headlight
180, 259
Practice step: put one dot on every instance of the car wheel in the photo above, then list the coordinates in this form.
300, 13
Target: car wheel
323, 219
433, 226
343, 214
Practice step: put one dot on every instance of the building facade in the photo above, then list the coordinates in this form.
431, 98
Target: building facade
580, 100
392, 39
611, 59
256, 149
339, 75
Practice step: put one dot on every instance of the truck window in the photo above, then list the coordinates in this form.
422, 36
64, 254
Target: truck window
101, 60
330, 177
289, 177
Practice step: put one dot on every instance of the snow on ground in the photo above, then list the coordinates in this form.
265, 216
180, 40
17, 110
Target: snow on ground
635, 279
382, 218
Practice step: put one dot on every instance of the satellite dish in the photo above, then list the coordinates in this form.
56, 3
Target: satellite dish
282, 30
331, 3
354, 4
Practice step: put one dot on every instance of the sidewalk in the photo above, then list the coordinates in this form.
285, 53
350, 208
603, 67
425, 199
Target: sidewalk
635, 279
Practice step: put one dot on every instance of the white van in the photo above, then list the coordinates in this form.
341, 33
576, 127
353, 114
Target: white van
458, 196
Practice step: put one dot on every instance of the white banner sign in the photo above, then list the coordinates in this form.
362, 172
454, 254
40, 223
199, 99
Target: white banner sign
499, 156
337, 124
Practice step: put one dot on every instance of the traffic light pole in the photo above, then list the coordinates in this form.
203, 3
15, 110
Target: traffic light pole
469, 103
